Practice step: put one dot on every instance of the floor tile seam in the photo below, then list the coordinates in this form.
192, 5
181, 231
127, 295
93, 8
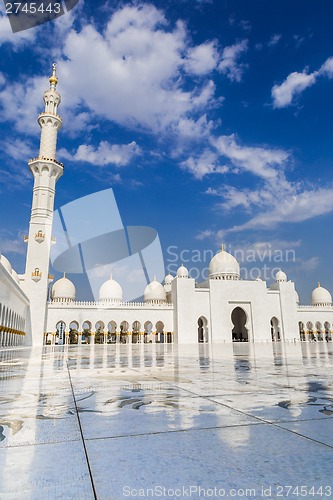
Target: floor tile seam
175, 431
23, 445
82, 437
265, 392
275, 424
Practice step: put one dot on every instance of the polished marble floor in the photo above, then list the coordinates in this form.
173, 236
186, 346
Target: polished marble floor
166, 421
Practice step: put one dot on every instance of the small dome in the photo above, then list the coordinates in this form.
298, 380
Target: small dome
6, 264
182, 272
63, 290
224, 266
168, 279
321, 297
154, 292
111, 291
280, 277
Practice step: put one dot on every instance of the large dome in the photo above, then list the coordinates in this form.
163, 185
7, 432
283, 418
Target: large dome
63, 290
111, 291
154, 292
224, 266
321, 297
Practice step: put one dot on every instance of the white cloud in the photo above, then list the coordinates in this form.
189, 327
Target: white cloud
105, 154
194, 129
273, 245
259, 161
229, 64
202, 59
21, 103
293, 85
17, 40
203, 235
286, 207
275, 200
327, 68
296, 83
9, 246
204, 164
132, 74
310, 264
274, 40
16, 149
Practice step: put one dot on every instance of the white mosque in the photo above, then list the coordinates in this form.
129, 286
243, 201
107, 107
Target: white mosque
225, 308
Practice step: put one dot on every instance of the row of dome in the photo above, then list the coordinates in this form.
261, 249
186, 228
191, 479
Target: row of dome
222, 266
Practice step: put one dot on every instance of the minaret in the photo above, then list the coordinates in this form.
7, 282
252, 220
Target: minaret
46, 171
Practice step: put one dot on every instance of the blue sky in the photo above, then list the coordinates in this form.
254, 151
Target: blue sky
211, 121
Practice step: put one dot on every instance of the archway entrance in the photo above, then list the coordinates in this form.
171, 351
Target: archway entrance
73, 332
61, 327
275, 330
301, 329
239, 332
202, 330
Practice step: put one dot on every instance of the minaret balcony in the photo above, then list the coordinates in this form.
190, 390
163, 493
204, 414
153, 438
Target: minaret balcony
36, 275
49, 113
39, 237
43, 158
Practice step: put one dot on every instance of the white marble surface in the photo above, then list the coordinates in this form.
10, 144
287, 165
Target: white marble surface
118, 419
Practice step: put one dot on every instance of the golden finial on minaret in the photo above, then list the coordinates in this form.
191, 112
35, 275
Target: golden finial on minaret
222, 247
53, 78
318, 284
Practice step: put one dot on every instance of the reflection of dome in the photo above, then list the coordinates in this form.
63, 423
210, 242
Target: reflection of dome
280, 277
6, 264
111, 291
63, 290
224, 266
154, 292
321, 297
182, 272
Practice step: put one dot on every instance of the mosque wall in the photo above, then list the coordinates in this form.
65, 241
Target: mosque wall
93, 314
315, 322
250, 297
189, 305
14, 311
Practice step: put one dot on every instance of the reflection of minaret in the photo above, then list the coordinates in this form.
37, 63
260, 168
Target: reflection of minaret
46, 171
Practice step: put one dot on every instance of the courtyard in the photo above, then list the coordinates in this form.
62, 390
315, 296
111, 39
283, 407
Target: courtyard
166, 421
